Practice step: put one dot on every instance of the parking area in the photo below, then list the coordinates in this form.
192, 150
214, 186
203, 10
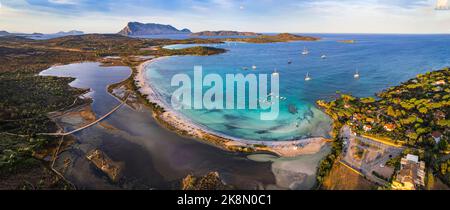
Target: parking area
368, 157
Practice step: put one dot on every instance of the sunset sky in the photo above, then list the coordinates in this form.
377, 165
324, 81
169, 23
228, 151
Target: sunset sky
302, 16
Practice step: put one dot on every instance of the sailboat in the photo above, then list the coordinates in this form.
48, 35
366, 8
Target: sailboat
307, 77
275, 73
305, 51
442, 5
356, 75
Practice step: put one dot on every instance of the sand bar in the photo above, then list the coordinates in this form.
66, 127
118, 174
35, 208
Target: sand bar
184, 125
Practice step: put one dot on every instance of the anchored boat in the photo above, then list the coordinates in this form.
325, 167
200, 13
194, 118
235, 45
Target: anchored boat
307, 77
356, 75
305, 51
275, 73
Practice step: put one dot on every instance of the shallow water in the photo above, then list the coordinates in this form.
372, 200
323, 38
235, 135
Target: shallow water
152, 157
296, 173
382, 61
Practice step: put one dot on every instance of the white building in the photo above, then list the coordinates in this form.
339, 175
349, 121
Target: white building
411, 174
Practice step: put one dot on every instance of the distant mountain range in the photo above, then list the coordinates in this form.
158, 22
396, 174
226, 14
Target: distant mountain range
142, 29
69, 33
38, 35
4, 33
224, 33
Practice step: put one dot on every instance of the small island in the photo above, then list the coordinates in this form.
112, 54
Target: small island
351, 41
144, 29
283, 37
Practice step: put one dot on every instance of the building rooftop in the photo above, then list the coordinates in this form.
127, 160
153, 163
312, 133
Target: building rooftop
413, 158
411, 174
436, 134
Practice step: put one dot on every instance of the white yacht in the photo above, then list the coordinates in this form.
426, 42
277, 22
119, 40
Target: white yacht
254, 67
275, 73
356, 75
305, 51
323, 57
307, 77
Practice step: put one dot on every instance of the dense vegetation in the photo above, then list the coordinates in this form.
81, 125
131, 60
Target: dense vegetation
284, 37
326, 164
26, 99
210, 181
407, 113
32, 60
199, 51
414, 114
443, 170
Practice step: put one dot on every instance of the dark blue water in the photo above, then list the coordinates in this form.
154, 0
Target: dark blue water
185, 36
382, 61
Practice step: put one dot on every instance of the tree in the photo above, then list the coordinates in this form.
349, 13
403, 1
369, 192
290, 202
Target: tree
391, 111
444, 168
443, 145
412, 135
430, 180
423, 110
367, 100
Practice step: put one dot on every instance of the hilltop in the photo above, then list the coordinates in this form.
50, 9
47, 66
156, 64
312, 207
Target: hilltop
68, 33
40, 35
142, 29
4, 33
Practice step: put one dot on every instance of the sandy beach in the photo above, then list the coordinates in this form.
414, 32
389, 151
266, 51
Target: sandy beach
182, 124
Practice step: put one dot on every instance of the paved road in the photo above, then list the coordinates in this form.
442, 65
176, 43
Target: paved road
367, 168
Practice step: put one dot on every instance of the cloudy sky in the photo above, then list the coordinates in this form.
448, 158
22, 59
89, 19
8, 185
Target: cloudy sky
324, 16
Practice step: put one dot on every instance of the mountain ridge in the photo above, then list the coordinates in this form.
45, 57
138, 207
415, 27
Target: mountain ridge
142, 29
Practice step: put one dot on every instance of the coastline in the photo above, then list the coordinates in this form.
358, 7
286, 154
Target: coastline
180, 124
134, 129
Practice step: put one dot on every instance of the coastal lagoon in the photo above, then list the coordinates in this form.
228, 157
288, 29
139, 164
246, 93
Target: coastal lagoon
151, 156
381, 60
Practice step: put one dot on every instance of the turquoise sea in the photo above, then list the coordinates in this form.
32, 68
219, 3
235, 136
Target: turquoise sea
381, 60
